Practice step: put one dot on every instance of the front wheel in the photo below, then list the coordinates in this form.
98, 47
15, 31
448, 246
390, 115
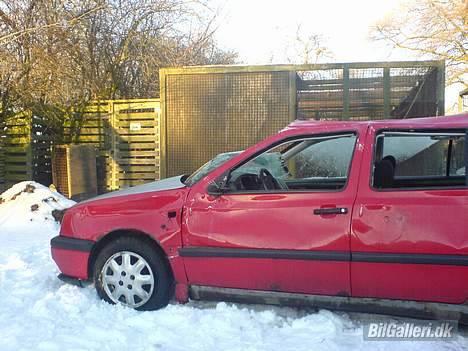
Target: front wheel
129, 271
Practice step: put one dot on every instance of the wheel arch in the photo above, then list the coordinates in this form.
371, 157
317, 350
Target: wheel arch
119, 233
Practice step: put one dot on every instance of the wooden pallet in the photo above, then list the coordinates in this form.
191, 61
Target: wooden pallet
126, 134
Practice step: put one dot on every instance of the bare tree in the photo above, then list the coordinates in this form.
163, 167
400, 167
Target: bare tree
307, 48
302, 48
57, 55
433, 29
17, 33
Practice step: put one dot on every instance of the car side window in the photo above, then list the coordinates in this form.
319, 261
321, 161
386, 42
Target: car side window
419, 160
305, 164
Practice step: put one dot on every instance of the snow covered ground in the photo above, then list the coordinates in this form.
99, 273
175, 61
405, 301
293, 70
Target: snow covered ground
39, 312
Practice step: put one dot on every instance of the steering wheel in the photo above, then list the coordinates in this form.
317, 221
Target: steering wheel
269, 182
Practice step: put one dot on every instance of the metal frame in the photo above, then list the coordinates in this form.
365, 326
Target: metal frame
292, 69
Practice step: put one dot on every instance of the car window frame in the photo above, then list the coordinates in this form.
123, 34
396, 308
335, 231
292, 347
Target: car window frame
417, 130
222, 178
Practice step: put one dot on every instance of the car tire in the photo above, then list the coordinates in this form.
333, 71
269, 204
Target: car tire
132, 272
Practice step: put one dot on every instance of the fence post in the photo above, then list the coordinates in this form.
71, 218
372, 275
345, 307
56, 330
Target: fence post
441, 88
386, 91
114, 146
345, 91
162, 125
292, 95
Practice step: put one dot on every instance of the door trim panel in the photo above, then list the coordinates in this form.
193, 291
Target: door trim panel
323, 255
316, 255
410, 258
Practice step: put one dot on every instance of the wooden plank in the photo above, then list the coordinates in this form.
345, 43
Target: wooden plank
88, 122
22, 129
138, 146
17, 123
143, 116
16, 149
397, 81
144, 123
137, 138
142, 131
138, 161
124, 183
90, 138
149, 176
355, 98
90, 130
12, 173
377, 93
138, 153
132, 168
141, 100
25, 140
97, 108
17, 168
16, 159
125, 134
134, 104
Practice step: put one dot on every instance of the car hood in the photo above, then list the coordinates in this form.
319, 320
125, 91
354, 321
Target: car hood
159, 185
142, 208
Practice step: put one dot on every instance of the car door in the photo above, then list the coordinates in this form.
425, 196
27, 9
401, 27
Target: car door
294, 240
409, 230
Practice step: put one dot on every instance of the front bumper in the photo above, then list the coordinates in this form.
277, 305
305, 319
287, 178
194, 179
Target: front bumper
71, 256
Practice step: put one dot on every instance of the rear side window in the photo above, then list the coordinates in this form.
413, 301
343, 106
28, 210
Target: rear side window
419, 160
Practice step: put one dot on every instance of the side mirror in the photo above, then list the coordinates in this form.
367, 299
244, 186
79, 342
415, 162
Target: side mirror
215, 190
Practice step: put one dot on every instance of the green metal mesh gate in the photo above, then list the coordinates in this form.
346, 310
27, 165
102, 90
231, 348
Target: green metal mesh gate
357, 92
210, 114
213, 109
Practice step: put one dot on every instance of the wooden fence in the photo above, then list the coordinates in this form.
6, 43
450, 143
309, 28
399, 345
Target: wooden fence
24, 151
126, 134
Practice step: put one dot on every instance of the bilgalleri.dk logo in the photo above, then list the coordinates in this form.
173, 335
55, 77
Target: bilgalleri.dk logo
407, 330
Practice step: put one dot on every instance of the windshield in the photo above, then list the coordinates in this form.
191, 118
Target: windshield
271, 161
209, 166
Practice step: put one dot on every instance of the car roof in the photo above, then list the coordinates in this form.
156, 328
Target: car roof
453, 121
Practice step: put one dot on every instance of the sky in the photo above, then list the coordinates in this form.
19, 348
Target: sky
261, 31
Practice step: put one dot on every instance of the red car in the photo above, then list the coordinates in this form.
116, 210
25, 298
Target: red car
349, 214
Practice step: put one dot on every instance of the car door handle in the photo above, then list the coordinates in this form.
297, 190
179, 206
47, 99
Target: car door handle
329, 211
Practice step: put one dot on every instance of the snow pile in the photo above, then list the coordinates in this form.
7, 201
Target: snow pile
39, 312
26, 210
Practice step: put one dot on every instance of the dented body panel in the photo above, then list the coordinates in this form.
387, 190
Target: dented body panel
154, 212
403, 244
